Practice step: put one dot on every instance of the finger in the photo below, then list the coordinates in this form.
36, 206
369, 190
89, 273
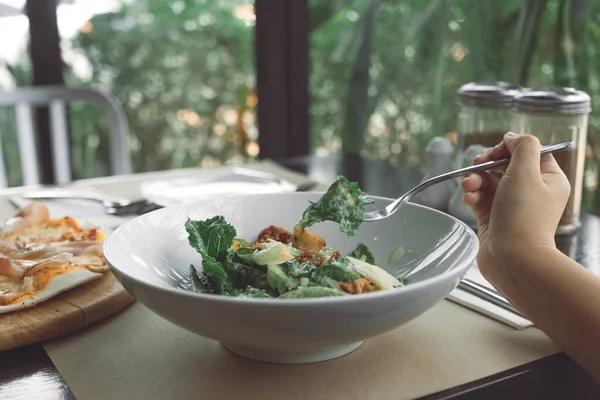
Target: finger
484, 181
472, 183
500, 151
525, 155
483, 157
497, 152
472, 198
479, 194
549, 165
481, 204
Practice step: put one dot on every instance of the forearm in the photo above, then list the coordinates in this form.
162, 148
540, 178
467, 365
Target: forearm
560, 296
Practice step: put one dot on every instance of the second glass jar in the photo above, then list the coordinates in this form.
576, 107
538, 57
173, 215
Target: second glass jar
485, 114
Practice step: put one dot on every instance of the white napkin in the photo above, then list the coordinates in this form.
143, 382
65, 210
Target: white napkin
484, 307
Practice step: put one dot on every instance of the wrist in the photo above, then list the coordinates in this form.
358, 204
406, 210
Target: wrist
507, 261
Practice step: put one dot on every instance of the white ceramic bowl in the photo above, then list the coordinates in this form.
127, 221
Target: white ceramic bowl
151, 257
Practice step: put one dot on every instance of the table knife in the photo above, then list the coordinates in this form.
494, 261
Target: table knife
488, 294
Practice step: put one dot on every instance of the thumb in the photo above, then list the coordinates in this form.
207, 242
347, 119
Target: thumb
524, 155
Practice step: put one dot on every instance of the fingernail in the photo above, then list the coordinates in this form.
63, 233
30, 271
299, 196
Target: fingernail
511, 135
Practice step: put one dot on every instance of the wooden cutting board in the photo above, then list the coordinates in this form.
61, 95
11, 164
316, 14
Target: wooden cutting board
65, 313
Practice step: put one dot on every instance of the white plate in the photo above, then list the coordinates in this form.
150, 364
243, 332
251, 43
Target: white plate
184, 190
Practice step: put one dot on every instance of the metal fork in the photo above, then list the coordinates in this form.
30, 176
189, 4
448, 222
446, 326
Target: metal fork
120, 206
393, 207
113, 205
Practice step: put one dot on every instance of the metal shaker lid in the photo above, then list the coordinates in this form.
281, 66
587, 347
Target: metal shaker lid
488, 94
553, 101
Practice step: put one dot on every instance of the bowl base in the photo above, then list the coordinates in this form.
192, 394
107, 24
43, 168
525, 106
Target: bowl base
292, 356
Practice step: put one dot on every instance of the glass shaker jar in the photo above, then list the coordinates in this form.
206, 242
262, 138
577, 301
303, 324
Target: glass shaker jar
556, 116
485, 114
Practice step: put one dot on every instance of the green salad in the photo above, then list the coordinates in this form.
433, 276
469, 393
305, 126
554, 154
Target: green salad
288, 265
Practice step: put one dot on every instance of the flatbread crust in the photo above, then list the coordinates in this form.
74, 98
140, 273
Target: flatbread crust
32, 237
57, 285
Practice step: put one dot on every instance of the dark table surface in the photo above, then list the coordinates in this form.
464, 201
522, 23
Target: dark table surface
28, 373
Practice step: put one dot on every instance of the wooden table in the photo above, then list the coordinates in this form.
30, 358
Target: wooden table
28, 373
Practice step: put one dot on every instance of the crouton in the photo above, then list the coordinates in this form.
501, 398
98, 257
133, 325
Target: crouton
274, 233
305, 240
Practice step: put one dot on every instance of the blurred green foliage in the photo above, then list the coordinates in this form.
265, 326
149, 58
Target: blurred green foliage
384, 89
384, 74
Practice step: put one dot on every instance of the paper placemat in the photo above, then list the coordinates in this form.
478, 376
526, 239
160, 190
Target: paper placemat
138, 355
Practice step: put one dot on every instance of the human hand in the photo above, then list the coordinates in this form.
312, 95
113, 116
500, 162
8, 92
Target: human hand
518, 213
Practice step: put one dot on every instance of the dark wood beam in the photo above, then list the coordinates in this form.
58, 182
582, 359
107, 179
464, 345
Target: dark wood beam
282, 71
48, 69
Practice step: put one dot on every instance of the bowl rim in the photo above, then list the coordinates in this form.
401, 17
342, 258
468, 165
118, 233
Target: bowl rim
460, 268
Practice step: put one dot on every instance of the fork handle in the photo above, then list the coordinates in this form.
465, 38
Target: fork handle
491, 164
553, 148
64, 194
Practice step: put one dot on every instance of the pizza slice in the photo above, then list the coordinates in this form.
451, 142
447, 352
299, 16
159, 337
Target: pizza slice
41, 257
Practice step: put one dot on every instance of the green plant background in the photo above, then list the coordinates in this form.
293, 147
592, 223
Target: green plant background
384, 74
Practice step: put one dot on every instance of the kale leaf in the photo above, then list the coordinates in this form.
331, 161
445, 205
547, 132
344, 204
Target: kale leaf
252, 292
343, 203
362, 250
339, 270
312, 291
211, 238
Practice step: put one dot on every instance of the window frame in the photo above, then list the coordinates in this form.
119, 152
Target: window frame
282, 74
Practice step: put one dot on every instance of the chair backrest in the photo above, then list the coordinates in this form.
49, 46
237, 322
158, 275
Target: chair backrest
26, 99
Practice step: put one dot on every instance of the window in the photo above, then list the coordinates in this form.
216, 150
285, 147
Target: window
384, 74
183, 71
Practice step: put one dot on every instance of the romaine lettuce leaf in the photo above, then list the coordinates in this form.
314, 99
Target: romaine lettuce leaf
343, 203
252, 292
299, 270
244, 255
200, 283
278, 279
326, 281
312, 291
211, 279
242, 275
363, 251
338, 270
212, 236
274, 253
